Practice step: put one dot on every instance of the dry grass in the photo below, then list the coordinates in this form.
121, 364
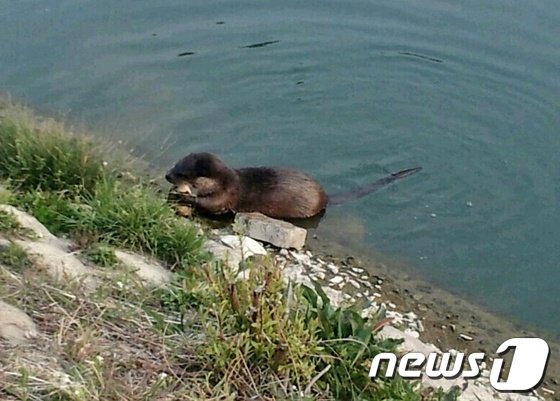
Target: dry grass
114, 345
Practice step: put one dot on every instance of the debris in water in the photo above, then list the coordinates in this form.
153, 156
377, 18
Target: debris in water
435, 60
262, 44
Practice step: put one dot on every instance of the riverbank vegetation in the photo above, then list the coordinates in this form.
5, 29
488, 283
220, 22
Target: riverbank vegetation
207, 335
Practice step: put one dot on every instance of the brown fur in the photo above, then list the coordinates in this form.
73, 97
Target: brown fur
213, 187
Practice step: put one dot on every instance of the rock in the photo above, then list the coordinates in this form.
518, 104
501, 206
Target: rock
296, 274
320, 275
15, 325
276, 232
412, 333
333, 268
336, 280
4, 243
232, 249
335, 297
151, 272
301, 258
248, 246
354, 284
465, 337
58, 264
413, 344
31, 223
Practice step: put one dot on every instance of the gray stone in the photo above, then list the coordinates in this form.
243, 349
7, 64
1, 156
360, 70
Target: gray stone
333, 268
276, 232
58, 264
354, 283
150, 271
296, 274
335, 297
231, 257
232, 249
248, 246
15, 325
4, 243
31, 223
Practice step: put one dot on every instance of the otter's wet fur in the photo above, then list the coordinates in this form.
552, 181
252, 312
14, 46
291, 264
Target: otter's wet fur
210, 186
213, 187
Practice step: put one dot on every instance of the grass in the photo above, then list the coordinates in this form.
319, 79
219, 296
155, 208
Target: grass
14, 257
46, 158
207, 336
61, 179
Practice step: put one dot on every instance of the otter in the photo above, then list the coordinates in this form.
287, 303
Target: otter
206, 183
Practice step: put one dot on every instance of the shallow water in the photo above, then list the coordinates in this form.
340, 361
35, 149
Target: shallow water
347, 91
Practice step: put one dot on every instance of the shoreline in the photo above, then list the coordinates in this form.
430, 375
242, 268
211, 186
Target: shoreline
445, 315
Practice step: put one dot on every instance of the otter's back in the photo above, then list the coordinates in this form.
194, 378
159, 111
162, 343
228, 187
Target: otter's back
281, 193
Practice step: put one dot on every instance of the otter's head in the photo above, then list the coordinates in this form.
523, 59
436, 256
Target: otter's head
199, 172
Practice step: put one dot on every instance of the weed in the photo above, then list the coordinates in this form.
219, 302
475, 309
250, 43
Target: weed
102, 255
50, 160
14, 256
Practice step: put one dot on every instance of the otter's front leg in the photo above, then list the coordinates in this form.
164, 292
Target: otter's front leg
214, 204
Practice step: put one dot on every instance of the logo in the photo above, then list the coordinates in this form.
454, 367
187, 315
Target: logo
526, 371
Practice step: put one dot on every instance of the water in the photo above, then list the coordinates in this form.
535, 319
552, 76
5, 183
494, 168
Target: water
351, 90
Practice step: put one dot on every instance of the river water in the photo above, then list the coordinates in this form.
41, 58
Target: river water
347, 91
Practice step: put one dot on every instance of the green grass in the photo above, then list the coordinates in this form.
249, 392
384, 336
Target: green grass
259, 335
60, 178
48, 159
206, 336
13, 256
102, 255
8, 223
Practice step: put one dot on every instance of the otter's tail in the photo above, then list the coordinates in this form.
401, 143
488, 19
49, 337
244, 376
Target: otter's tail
343, 197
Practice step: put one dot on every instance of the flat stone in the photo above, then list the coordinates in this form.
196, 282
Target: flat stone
4, 243
247, 245
320, 275
31, 223
335, 297
412, 333
57, 263
231, 257
276, 232
336, 280
296, 274
150, 271
15, 325
233, 249
333, 268
354, 284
